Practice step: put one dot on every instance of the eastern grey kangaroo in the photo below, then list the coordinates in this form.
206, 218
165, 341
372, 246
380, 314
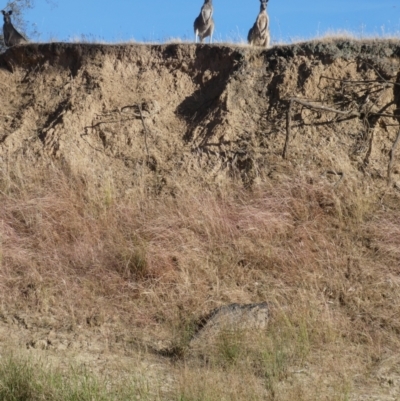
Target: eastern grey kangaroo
11, 36
259, 33
204, 23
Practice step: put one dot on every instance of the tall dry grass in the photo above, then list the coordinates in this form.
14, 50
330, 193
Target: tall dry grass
325, 258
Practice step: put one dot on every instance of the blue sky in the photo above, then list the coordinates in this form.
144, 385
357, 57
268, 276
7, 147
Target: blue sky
160, 20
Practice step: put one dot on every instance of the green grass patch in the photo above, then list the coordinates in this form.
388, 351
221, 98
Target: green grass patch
24, 379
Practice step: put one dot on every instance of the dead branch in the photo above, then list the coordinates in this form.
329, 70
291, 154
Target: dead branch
144, 127
386, 114
369, 124
288, 128
370, 121
139, 115
391, 155
369, 117
122, 111
392, 125
350, 82
349, 113
380, 76
352, 113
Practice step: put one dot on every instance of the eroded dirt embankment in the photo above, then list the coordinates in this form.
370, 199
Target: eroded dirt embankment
207, 111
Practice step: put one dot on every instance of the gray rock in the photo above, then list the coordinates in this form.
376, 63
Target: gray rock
232, 317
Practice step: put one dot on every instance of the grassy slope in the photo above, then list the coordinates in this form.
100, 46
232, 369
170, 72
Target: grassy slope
326, 258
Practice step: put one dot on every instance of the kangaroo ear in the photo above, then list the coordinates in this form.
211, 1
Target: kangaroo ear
10, 12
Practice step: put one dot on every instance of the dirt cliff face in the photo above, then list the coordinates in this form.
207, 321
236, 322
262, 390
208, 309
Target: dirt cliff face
201, 112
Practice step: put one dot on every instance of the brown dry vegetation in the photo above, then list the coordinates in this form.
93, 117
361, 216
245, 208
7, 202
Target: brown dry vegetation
117, 232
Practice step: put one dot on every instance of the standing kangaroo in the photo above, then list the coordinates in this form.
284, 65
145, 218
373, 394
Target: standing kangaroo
259, 33
11, 36
204, 23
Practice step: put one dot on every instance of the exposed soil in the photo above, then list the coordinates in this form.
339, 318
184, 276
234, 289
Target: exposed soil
77, 103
